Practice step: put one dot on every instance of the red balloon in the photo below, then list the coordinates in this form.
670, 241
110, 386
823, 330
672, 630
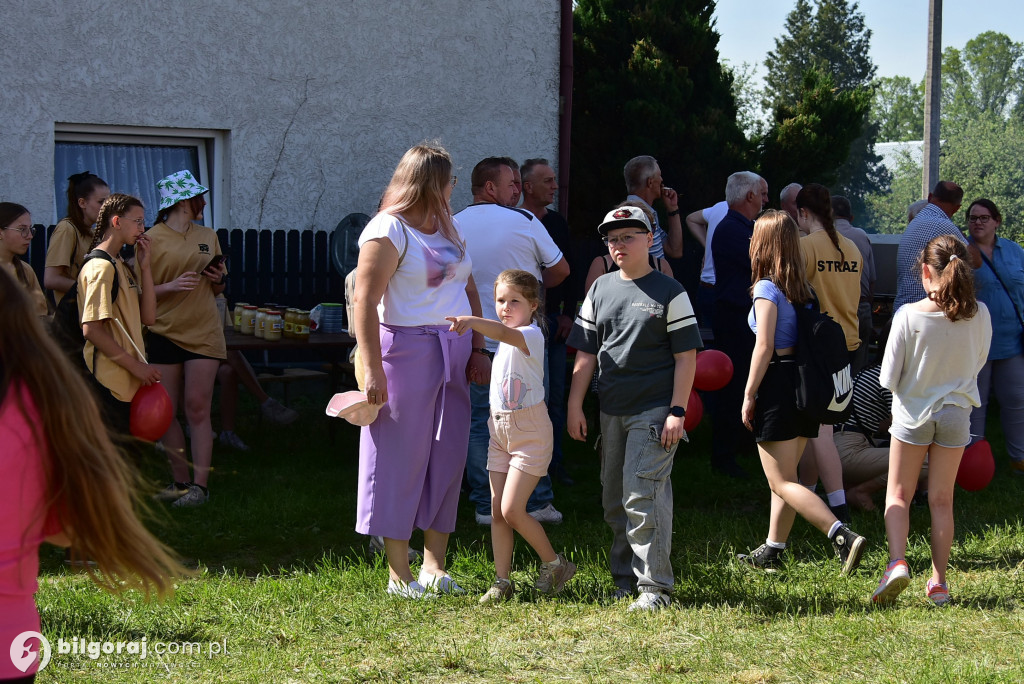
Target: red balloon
694, 411
976, 467
714, 370
151, 412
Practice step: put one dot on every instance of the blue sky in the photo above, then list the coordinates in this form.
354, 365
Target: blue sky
899, 28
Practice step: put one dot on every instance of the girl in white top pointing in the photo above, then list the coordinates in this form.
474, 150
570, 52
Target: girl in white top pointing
935, 350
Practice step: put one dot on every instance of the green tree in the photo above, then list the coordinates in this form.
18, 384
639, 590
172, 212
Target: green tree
985, 78
898, 109
647, 80
810, 140
828, 37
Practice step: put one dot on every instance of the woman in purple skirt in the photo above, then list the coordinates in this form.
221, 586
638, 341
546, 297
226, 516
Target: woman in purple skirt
413, 271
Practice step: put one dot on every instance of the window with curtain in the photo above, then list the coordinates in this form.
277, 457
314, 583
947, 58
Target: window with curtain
130, 163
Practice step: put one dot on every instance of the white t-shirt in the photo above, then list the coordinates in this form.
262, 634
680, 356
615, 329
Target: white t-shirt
517, 380
430, 282
931, 361
712, 215
499, 238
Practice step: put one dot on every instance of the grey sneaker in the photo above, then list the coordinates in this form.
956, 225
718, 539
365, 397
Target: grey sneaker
764, 557
501, 590
482, 518
232, 441
377, 546
650, 601
196, 496
548, 514
172, 492
278, 413
849, 546
552, 578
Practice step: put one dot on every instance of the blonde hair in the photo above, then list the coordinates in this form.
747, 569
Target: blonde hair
947, 257
418, 185
89, 482
775, 255
527, 285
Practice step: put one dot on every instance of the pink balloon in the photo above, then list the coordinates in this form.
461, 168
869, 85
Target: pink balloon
714, 370
694, 411
151, 412
976, 467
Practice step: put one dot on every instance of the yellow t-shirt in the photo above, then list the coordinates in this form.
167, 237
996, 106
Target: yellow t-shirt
67, 248
95, 286
31, 285
835, 281
189, 319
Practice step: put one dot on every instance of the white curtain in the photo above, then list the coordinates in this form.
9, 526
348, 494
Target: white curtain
131, 169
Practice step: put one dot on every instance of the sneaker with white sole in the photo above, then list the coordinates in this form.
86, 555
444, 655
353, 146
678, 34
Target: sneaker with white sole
278, 413
439, 584
232, 441
937, 593
650, 601
894, 581
548, 514
764, 557
377, 546
552, 576
196, 496
501, 590
482, 518
848, 546
412, 590
172, 492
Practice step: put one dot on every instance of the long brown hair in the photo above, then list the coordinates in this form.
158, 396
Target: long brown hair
89, 483
775, 255
815, 198
418, 185
9, 213
947, 257
81, 186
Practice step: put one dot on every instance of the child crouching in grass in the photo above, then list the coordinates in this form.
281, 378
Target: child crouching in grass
521, 434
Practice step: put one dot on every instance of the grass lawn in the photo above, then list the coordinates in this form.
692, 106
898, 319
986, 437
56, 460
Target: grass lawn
295, 595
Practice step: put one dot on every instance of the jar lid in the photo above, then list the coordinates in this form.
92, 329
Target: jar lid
250, 307
273, 312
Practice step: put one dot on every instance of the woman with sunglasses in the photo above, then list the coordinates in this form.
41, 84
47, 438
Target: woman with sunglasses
16, 233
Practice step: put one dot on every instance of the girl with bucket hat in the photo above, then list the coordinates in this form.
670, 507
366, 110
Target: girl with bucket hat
187, 341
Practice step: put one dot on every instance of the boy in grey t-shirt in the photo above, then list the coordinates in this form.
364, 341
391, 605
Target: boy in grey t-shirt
638, 328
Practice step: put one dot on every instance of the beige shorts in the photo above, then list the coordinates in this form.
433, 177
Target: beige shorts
520, 439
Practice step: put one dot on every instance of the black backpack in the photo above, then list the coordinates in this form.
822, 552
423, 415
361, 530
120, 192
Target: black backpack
67, 325
825, 386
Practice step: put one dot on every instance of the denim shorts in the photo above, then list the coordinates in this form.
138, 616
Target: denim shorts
949, 427
520, 439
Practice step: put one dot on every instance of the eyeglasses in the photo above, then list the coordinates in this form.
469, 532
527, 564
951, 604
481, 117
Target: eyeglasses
455, 179
140, 222
980, 219
623, 240
27, 232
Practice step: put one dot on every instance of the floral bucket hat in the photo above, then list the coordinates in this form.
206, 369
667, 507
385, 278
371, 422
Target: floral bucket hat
179, 186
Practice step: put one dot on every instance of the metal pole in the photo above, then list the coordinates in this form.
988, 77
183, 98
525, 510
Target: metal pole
932, 98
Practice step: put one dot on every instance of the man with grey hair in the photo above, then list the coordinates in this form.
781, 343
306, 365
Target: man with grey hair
915, 208
644, 184
843, 214
746, 193
787, 199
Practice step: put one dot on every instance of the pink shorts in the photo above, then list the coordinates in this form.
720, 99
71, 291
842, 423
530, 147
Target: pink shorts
520, 439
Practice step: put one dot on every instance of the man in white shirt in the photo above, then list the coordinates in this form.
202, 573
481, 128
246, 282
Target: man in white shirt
499, 237
702, 224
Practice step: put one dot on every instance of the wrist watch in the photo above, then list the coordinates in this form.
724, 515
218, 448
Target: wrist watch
677, 411
674, 213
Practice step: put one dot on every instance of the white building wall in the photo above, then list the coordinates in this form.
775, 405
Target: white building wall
318, 99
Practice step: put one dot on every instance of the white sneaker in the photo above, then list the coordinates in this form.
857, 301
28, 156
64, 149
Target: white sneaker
548, 514
278, 413
443, 584
194, 497
650, 601
412, 590
232, 441
377, 546
482, 519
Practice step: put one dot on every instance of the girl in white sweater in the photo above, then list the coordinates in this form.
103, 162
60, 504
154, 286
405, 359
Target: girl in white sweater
931, 363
